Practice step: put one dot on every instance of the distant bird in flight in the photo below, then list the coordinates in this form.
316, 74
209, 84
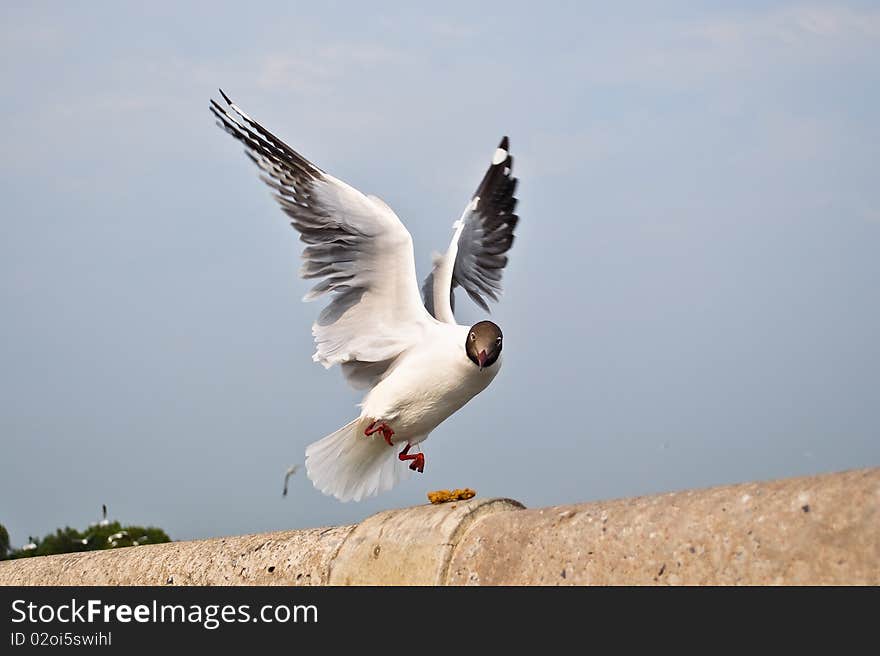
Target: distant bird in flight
290, 472
117, 536
418, 364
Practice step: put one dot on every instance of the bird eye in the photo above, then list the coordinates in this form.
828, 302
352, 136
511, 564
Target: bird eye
498, 341
473, 336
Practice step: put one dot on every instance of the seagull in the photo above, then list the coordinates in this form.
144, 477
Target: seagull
104, 521
290, 472
416, 363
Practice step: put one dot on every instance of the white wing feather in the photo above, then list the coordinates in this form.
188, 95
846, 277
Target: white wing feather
356, 247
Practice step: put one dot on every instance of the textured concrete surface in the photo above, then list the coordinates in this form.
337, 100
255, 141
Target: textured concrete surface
282, 558
411, 546
814, 530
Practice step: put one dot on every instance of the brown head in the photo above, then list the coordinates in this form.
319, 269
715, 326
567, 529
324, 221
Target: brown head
483, 345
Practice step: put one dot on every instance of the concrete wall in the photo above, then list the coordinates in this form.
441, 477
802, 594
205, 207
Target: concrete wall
814, 530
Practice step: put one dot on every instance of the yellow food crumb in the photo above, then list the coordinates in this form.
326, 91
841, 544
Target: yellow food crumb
445, 496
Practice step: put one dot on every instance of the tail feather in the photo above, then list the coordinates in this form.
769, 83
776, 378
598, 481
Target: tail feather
351, 466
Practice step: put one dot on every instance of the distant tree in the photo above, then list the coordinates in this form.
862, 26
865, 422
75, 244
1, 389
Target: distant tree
4, 542
111, 535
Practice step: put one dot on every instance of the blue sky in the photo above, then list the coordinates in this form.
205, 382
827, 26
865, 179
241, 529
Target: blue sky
691, 299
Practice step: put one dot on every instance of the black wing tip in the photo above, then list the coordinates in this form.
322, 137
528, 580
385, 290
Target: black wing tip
225, 97
501, 156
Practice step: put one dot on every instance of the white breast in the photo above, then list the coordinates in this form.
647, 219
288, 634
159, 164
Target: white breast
428, 384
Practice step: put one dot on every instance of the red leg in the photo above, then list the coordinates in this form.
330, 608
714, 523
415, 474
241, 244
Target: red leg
418, 459
380, 426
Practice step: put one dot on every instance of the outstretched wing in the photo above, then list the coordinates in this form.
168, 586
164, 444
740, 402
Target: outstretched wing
356, 248
482, 237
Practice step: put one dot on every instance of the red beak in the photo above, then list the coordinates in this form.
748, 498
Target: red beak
481, 358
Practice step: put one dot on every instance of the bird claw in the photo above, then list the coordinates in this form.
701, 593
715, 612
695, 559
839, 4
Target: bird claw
418, 459
380, 427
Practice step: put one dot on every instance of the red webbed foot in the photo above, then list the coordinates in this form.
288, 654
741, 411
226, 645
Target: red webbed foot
380, 427
418, 459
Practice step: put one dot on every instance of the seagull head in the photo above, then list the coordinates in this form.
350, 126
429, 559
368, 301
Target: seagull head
483, 345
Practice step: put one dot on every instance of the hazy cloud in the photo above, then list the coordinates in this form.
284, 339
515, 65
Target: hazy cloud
454, 30
310, 70
791, 27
